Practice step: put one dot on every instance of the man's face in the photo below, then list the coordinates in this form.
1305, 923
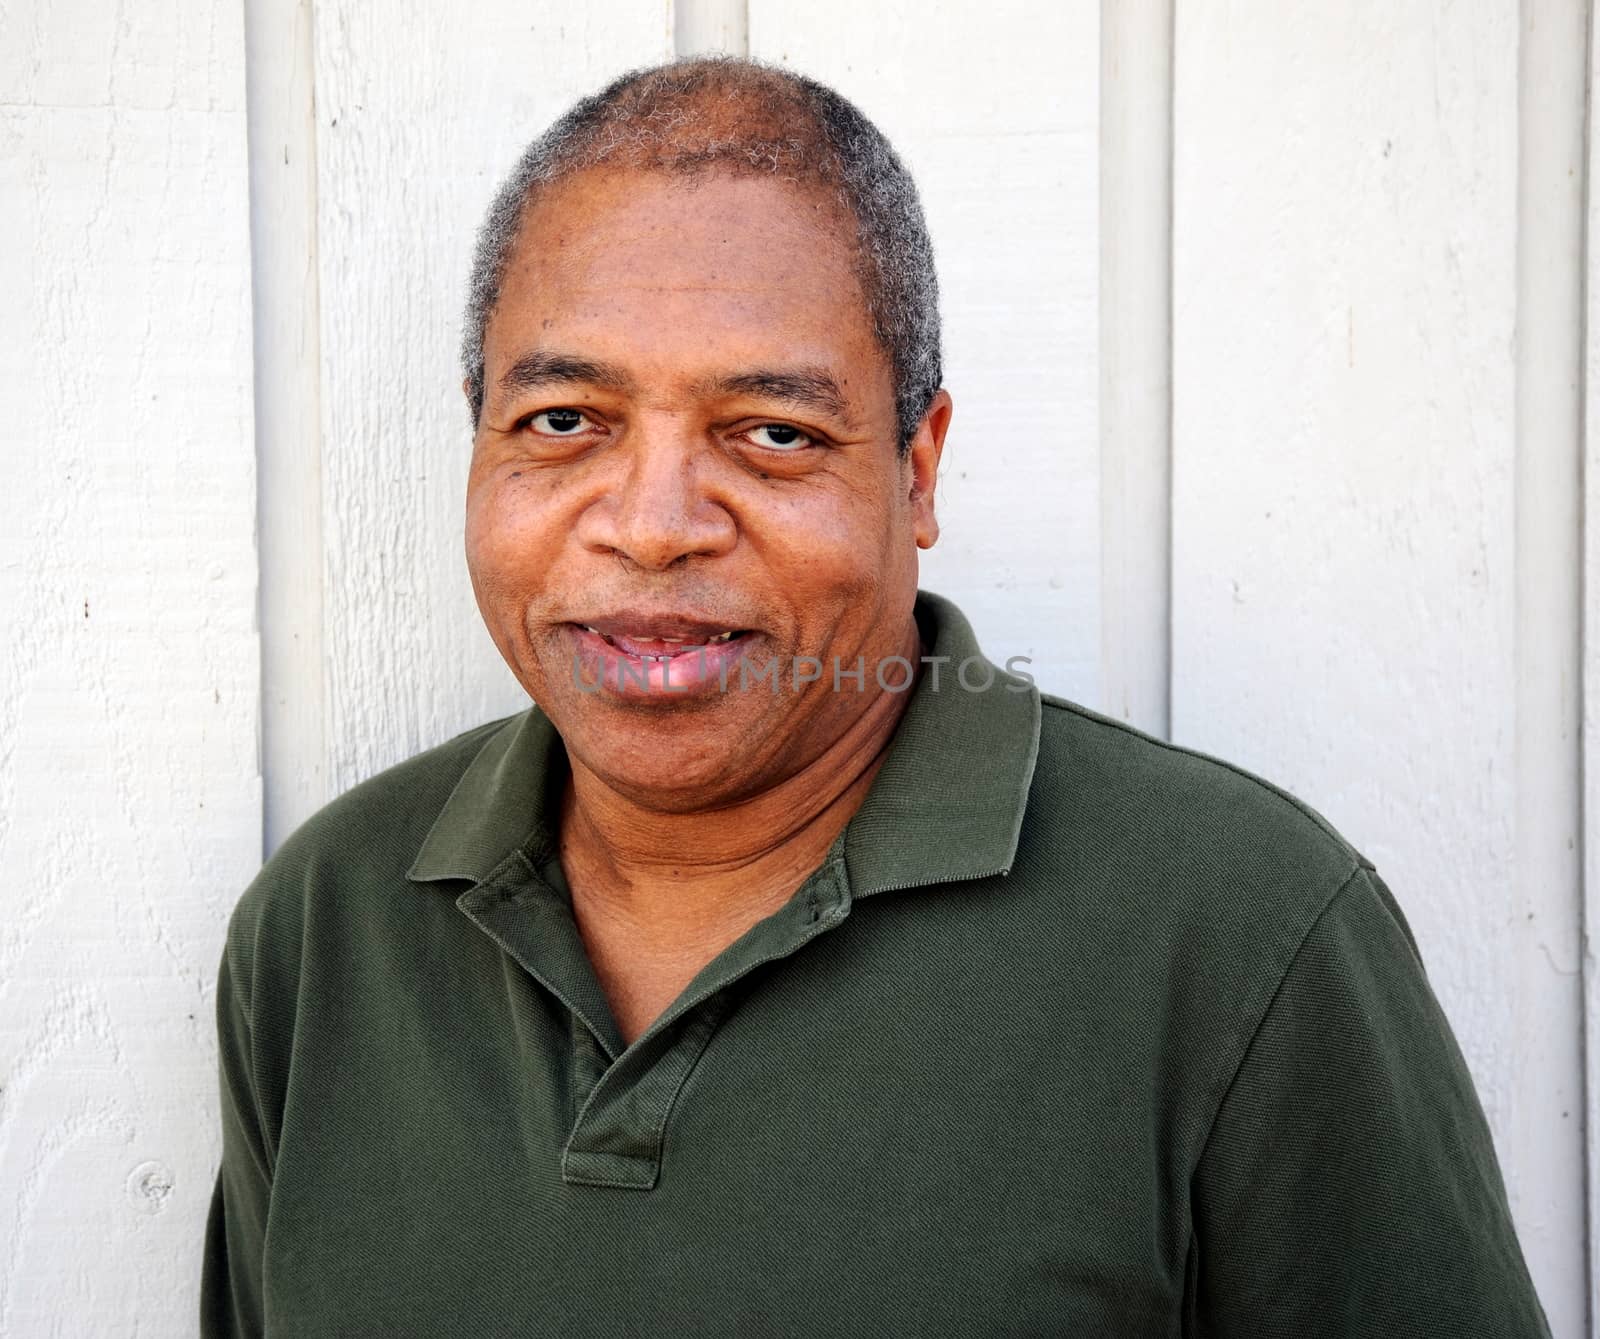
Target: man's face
689, 431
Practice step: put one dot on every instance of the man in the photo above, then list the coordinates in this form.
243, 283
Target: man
790, 969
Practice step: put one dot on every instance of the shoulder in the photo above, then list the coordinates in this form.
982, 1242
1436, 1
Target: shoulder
1129, 783
1181, 889
1192, 849
355, 848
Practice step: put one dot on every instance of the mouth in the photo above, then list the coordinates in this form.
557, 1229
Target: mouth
634, 655
646, 645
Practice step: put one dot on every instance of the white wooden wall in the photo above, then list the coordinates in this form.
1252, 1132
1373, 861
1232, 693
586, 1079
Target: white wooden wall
1375, 468
130, 796
1265, 331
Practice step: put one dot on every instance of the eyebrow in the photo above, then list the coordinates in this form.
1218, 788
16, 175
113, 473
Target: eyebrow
536, 369
811, 388
807, 387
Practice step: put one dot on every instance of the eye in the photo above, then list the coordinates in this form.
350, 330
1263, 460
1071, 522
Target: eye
778, 436
558, 422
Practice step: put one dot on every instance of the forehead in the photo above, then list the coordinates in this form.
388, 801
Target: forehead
704, 253
610, 210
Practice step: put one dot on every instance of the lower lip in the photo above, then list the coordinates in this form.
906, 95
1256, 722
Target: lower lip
599, 667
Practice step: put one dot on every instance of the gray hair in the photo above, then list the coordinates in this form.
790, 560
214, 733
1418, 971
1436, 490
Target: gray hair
737, 115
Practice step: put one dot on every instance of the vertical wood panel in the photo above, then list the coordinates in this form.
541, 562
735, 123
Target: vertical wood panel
1546, 1134
1136, 362
421, 109
1345, 462
286, 310
129, 799
1590, 939
995, 109
711, 26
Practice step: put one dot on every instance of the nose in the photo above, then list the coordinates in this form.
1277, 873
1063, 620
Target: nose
656, 510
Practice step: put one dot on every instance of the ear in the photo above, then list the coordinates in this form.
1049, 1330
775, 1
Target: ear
922, 461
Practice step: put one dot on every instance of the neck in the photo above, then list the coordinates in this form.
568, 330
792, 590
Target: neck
677, 873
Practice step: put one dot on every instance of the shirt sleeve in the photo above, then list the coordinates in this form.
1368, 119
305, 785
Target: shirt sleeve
1349, 1185
231, 1271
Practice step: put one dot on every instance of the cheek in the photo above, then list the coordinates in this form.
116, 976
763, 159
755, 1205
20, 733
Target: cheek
845, 542
511, 530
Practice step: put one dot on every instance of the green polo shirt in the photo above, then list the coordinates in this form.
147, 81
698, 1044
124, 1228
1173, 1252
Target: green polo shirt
1072, 1033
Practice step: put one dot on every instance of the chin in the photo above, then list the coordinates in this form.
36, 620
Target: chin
670, 779
655, 750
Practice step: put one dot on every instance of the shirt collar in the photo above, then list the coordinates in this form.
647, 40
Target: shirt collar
947, 804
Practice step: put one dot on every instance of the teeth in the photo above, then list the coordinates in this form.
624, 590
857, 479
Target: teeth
670, 641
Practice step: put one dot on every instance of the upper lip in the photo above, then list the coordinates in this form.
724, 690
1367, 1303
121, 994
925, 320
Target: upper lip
647, 625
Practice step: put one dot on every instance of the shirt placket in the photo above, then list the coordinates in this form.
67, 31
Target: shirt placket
624, 1095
